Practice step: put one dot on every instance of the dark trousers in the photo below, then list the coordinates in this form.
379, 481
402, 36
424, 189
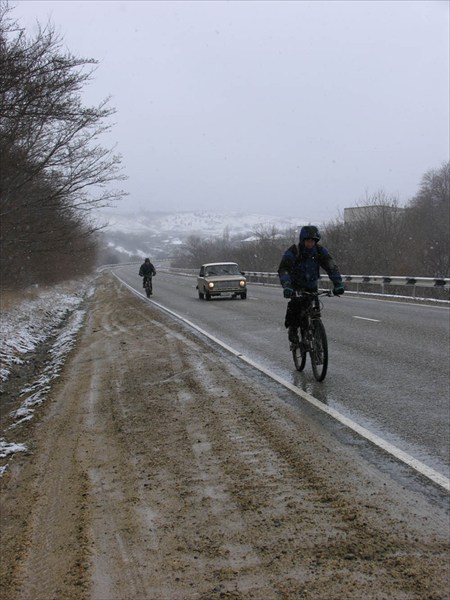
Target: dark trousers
294, 312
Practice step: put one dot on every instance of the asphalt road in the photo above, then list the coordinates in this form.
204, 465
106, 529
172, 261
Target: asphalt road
388, 361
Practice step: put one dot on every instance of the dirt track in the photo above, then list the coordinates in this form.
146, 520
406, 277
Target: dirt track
160, 469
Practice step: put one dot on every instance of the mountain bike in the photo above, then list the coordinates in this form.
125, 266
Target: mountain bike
312, 335
148, 285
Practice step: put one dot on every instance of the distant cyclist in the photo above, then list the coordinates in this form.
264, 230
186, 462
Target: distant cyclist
146, 270
299, 271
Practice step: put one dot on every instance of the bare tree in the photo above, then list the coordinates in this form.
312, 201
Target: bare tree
369, 241
53, 167
428, 221
263, 250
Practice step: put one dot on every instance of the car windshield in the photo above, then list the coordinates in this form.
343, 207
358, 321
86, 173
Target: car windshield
222, 270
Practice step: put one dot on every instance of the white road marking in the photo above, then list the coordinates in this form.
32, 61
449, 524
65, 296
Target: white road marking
367, 319
400, 455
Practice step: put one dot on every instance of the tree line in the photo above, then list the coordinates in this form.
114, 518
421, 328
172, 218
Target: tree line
54, 170
375, 237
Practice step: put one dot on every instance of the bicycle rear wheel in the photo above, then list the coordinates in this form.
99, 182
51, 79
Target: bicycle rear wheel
299, 355
319, 351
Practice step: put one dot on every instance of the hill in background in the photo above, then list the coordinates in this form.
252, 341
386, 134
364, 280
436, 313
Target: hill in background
158, 234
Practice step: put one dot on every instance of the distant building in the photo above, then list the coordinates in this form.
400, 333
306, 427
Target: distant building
357, 213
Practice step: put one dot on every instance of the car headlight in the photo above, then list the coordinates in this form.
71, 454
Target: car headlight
242, 283
210, 285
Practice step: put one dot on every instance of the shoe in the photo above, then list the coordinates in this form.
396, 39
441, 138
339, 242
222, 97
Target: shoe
293, 335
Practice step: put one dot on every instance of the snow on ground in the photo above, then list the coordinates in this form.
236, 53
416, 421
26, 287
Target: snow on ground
54, 316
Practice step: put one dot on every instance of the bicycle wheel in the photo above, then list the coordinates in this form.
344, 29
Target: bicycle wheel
319, 350
148, 288
299, 356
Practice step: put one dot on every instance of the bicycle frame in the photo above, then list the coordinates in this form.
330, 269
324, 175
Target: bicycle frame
148, 284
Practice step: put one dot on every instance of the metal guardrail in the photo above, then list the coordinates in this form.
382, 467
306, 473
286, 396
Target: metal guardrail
429, 282
363, 280
376, 279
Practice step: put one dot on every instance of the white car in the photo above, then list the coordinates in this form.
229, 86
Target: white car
220, 278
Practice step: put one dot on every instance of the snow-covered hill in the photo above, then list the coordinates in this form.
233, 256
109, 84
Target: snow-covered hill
208, 224
158, 233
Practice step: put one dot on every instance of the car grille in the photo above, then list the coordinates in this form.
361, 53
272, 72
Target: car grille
226, 285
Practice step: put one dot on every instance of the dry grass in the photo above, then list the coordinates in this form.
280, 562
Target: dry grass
9, 299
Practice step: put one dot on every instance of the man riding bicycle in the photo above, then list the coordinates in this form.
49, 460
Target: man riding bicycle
147, 270
299, 271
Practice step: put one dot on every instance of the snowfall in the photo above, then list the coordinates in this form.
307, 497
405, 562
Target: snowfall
51, 316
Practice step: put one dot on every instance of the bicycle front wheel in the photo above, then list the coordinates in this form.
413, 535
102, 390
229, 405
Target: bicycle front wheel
299, 356
319, 351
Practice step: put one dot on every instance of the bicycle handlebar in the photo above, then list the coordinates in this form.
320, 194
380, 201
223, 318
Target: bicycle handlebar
328, 293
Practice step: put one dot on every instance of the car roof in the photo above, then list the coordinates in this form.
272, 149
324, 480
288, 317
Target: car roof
218, 263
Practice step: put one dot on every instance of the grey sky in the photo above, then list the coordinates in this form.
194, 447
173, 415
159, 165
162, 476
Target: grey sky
290, 108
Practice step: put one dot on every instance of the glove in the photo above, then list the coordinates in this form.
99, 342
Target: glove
338, 289
288, 292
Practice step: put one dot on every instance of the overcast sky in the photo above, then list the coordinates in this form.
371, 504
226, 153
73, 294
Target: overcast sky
294, 108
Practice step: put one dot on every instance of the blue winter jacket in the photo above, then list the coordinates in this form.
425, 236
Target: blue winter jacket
300, 268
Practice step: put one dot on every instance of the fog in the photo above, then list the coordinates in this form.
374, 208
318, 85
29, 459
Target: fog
284, 108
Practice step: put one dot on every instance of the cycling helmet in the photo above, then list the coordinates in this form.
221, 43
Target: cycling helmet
309, 232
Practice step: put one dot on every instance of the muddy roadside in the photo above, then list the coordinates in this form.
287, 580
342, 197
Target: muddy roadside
161, 468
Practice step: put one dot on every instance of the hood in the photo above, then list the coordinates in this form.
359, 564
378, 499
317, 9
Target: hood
309, 231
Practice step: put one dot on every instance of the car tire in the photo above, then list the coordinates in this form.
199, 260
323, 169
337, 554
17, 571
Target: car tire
244, 295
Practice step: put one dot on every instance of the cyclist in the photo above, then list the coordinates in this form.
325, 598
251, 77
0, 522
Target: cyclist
299, 271
146, 270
